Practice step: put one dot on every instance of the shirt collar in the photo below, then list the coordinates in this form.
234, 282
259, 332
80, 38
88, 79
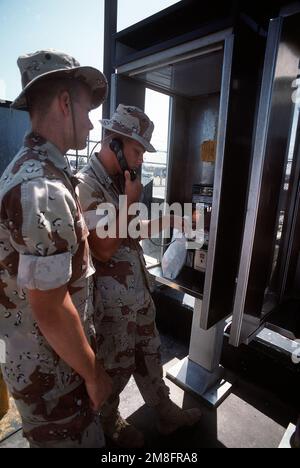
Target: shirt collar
49, 151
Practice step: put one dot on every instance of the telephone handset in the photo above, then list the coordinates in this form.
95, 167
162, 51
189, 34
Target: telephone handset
117, 147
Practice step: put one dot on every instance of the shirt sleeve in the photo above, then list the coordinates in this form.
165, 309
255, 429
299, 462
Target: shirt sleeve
91, 197
42, 217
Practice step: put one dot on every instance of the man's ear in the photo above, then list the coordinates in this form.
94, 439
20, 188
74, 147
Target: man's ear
65, 103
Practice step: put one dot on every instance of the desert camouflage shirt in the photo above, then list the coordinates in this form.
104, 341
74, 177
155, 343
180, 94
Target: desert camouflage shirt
124, 280
43, 245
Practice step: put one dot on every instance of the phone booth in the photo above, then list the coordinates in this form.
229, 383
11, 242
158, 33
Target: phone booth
268, 281
217, 77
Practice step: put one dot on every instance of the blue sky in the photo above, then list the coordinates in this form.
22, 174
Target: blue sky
73, 26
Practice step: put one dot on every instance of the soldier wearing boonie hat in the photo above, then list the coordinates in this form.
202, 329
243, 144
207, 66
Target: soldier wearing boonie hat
127, 336
50, 64
131, 122
46, 315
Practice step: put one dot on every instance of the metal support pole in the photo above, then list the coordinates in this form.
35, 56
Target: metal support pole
201, 373
110, 29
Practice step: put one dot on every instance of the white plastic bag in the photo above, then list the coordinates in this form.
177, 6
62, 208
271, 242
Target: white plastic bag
175, 256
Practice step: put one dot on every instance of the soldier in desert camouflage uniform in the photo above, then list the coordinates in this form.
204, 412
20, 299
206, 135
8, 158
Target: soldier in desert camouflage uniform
46, 315
128, 340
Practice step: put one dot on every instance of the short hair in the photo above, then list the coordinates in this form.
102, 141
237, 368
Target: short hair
108, 133
41, 95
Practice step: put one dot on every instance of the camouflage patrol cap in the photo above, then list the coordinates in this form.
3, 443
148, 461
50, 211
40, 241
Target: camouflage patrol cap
51, 63
133, 123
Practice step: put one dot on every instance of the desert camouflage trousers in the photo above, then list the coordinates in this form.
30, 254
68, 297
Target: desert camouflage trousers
129, 345
90, 437
51, 398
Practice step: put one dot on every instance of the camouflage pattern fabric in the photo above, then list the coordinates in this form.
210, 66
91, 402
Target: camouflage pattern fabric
127, 337
133, 123
129, 345
90, 437
43, 245
50, 63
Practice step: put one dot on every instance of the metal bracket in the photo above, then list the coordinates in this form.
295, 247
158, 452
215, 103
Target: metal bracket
210, 386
